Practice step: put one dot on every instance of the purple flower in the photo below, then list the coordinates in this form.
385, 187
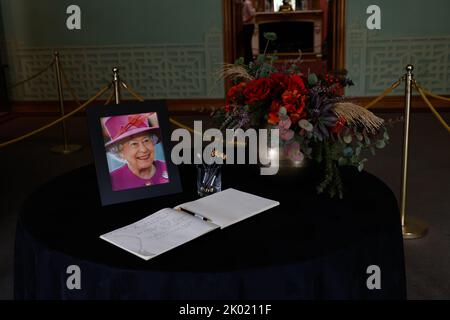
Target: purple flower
292, 150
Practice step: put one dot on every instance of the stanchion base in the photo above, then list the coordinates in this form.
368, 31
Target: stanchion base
414, 229
61, 149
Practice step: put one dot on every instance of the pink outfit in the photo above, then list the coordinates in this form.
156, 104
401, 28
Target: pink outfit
123, 178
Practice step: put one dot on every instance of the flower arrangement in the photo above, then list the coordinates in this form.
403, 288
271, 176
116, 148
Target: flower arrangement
313, 117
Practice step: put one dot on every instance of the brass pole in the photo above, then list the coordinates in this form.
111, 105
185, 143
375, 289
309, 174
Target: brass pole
116, 81
411, 228
65, 148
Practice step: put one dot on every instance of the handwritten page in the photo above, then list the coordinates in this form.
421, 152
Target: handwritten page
158, 233
229, 206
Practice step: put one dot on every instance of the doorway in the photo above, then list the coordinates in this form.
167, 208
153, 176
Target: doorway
320, 24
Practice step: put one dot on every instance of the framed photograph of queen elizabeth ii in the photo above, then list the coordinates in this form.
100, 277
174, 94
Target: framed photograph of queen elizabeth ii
131, 149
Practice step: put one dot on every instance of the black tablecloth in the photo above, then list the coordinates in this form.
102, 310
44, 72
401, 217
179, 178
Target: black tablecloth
309, 247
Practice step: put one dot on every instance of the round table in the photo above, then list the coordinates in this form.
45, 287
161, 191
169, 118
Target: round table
309, 247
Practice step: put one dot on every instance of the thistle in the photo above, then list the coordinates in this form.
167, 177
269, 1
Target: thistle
321, 115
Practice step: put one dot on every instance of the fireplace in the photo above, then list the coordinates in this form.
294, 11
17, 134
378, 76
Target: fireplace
292, 37
297, 30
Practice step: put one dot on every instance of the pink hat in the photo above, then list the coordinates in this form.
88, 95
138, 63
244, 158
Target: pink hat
120, 127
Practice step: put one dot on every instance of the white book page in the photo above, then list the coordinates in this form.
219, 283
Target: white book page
158, 233
229, 206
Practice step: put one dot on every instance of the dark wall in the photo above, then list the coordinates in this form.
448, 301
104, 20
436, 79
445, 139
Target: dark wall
4, 103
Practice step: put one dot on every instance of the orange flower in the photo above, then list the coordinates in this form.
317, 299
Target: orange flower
295, 117
273, 118
296, 83
301, 105
290, 97
294, 101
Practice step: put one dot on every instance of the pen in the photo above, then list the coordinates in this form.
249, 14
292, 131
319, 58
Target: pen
194, 214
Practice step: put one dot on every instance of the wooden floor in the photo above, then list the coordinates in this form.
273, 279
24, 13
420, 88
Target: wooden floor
204, 106
179, 107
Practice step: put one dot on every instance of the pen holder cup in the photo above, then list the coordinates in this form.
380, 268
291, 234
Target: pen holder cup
209, 179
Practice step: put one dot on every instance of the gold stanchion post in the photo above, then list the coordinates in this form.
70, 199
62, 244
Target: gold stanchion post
65, 148
411, 228
116, 81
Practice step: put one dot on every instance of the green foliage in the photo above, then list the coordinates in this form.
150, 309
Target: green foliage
331, 181
261, 58
380, 144
312, 79
348, 139
239, 61
346, 149
270, 36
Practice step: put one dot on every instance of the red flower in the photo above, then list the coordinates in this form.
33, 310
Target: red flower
301, 105
275, 106
274, 117
235, 94
294, 101
279, 79
296, 83
290, 97
279, 83
340, 123
330, 79
257, 90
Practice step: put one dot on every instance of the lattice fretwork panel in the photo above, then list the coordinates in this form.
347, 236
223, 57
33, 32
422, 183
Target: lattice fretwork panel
154, 71
375, 62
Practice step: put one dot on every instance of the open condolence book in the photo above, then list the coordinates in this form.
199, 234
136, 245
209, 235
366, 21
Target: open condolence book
169, 228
